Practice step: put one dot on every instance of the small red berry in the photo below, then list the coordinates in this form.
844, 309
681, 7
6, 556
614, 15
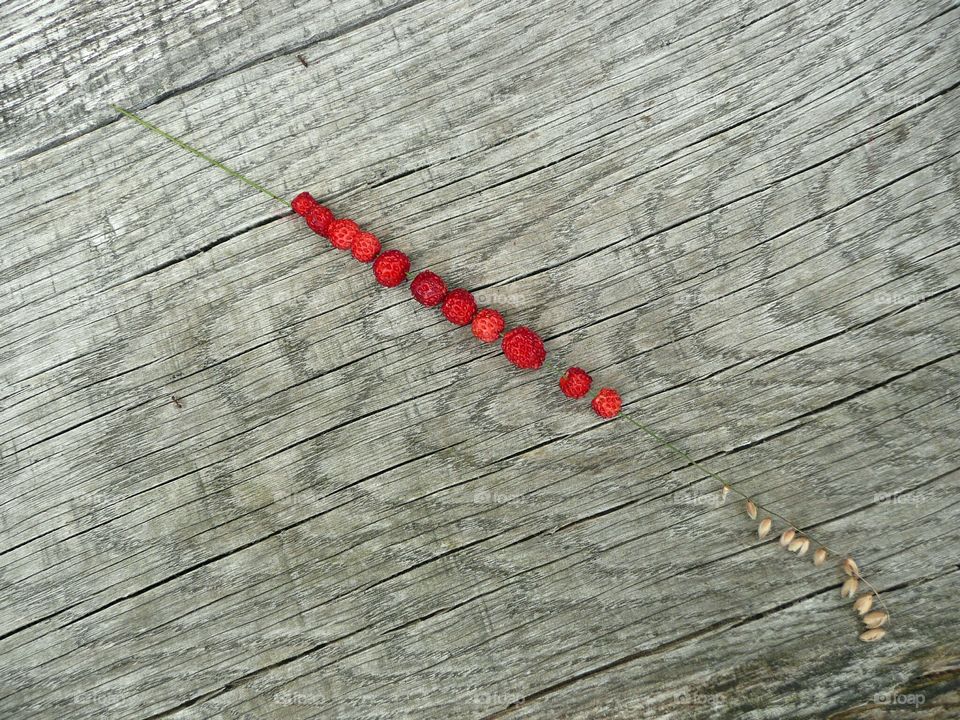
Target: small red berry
319, 219
524, 348
575, 382
459, 307
428, 288
302, 203
365, 247
487, 325
342, 233
391, 268
607, 403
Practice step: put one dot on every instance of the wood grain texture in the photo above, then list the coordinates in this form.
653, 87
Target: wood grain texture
242, 480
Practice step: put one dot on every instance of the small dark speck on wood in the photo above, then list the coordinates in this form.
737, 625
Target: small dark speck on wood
303, 61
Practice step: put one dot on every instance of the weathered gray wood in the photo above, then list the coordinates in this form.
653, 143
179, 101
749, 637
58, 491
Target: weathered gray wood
742, 216
66, 62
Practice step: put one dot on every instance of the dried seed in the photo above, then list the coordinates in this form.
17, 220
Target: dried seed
819, 557
849, 587
787, 536
795, 544
875, 619
850, 567
863, 604
751, 509
724, 492
764, 528
804, 546
873, 635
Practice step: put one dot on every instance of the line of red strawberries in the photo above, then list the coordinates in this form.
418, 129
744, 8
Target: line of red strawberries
521, 345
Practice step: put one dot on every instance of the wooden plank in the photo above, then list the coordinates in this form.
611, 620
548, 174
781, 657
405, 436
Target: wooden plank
67, 62
243, 480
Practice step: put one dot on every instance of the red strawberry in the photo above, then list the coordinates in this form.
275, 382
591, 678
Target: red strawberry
342, 233
365, 247
487, 325
391, 268
575, 383
459, 307
428, 288
319, 219
302, 203
607, 403
524, 348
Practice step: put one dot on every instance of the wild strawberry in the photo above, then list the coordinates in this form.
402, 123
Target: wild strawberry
319, 219
575, 383
302, 203
459, 307
365, 247
607, 403
524, 348
487, 325
428, 288
391, 268
342, 233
